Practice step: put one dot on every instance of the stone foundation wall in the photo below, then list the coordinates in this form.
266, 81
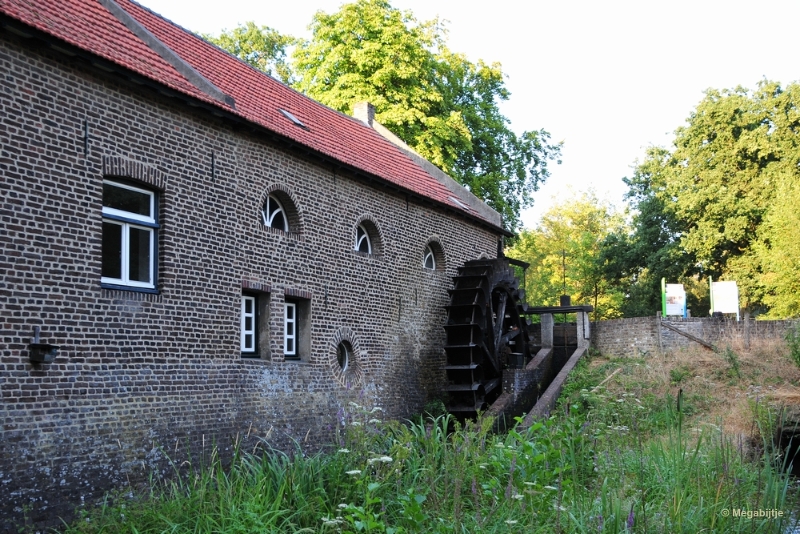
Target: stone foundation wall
637, 336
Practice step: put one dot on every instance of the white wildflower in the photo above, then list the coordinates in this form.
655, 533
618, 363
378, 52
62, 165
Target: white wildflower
376, 409
354, 472
551, 488
343, 450
374, 421
511, 521
518, 496
342, 506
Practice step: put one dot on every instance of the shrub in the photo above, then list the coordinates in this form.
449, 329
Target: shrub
793, 341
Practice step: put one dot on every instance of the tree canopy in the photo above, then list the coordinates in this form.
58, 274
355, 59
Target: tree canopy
564, 253
442, 105
262, 47
722, 203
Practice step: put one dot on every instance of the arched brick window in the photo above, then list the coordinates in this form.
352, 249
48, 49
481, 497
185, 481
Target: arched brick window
433, 255
279, 212
275, 214
368, 238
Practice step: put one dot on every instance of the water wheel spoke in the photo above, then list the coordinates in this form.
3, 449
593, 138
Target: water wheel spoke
500, 319
511, 334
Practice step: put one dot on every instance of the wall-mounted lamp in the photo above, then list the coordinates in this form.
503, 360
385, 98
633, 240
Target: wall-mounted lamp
41, 352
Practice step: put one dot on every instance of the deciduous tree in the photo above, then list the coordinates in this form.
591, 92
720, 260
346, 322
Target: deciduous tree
721, 203
262, 47
442, 105
565, 255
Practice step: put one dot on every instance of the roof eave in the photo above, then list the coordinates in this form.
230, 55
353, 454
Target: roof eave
105, 66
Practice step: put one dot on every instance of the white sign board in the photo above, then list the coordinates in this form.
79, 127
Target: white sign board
725, 296
676, 300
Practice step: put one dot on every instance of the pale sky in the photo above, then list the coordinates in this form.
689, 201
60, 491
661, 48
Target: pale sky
608, 78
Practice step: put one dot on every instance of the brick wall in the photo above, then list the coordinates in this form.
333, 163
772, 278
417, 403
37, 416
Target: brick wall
639, 335
140, 377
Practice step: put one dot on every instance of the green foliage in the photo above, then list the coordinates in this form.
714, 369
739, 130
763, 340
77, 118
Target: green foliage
621, 465
262, 47
733, 361
778, 250
793, 342
439, 103
567, 244
636, 258
677, 375
722, 204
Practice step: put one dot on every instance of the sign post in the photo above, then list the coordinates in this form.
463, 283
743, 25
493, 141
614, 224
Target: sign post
725, 297
676, 300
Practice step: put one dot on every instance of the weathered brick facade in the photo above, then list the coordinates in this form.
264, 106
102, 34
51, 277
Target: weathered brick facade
143, 375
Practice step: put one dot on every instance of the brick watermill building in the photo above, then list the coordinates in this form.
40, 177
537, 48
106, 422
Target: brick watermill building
191, 250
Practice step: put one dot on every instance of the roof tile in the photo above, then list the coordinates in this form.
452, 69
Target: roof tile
258, 97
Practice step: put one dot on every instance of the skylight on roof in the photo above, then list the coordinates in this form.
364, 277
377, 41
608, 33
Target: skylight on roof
295, 120
459, 203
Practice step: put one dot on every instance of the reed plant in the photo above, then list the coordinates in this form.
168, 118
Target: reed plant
624, 464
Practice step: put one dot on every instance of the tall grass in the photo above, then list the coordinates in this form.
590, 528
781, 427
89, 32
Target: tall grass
793, 343
583, 470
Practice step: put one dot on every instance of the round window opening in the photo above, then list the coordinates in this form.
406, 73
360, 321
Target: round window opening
343, 354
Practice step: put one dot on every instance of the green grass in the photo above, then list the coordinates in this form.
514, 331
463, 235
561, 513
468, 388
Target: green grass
624, 464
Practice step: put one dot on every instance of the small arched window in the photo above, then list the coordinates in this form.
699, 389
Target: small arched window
363, 243
274, 214
428, 259
343, 354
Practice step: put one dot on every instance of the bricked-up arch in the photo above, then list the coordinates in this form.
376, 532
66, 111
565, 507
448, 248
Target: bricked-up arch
293, 214
374, 233
353, 375
435, 245
115, 166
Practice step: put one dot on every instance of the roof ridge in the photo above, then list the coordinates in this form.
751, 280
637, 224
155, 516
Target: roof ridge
336, 136
237, 58
167, 54
200, 37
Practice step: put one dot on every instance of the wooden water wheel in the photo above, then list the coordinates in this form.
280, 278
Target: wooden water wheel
486, 332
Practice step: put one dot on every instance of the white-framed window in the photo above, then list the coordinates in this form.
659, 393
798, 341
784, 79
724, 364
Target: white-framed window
249, 326
290, 330
344, 353
129, 236
428, 259
274, 215
363, 243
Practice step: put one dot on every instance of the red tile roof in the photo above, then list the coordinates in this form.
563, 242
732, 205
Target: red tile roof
259, 98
